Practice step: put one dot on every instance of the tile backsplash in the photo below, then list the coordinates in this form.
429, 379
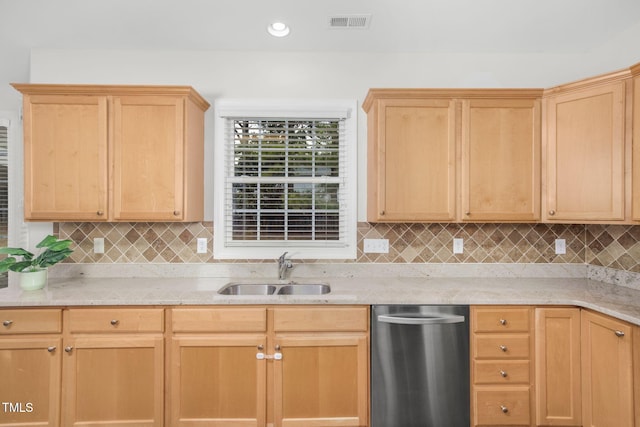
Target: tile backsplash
615, 246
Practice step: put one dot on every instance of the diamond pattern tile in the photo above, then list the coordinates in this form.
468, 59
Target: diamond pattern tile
616, 246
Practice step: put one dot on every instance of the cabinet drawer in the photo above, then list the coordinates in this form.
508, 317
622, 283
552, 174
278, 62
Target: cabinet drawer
101, 320
501, 346
230, 319
502, 372
501, 319
320, 319
502, 406
37, 321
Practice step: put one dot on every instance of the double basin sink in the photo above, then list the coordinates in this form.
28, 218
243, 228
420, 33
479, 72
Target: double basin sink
291, 288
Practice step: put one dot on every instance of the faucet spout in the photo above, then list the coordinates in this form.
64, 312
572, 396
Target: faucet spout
283, 265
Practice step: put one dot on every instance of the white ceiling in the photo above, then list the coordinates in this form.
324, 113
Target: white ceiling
506, 26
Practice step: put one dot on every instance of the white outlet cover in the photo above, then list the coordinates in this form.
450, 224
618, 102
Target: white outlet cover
561, 246
376, 246
458, 246
98, 245
202, 245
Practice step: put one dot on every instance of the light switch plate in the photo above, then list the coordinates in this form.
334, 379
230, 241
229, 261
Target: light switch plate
561, 247
458, 246
376, 246
98, 245
202, 245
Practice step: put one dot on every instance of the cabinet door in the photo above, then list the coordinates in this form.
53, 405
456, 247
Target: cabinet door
322, 380
585, 155
65, 158
30, 385
636, 147
415, 167
500, 160
148, 150
113, 380
607, 374
557, 358
218, 381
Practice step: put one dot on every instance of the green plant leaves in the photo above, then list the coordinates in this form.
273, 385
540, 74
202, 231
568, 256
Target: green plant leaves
55, 250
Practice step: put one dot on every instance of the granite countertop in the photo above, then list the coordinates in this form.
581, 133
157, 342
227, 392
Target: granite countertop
618, 301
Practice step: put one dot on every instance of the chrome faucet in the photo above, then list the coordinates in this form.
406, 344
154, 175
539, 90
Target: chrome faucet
283, 266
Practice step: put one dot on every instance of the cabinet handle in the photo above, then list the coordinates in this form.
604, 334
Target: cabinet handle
503, 374
260, 347
619, 334
503, 348
7, 323
68, 349
176, 213
382, 213
278, 348
504, 409
114, 322
51, 349
552, 212
503, 322
100, 213
467, 213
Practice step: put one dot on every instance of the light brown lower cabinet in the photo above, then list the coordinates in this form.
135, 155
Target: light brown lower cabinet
269, 366
113, 367
557, 355
30, 369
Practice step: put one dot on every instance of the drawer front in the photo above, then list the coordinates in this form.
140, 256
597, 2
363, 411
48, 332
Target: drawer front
26, 321
228, 319
501, 319
502, 372
320, 319
504, 406
501, 346
101, 320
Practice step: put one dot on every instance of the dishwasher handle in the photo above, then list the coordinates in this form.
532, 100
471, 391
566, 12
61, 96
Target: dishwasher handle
421, 320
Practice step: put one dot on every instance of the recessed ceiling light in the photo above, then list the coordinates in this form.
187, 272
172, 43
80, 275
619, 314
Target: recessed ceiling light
278, 29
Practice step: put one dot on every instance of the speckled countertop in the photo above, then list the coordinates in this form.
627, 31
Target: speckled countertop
619, 301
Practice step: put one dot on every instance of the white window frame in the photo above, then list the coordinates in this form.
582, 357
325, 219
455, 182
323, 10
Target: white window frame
308, 109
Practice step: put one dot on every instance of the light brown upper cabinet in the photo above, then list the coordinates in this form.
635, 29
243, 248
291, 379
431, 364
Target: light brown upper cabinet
586, 151
635, 72
453, 155
113, 153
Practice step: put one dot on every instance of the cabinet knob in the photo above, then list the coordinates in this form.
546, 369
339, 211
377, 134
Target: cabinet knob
51, 349
100, 213
552, 212
503, 374
260, 347
619, 334
7, 323
503, 348
467, 213
278, 348
68, 349
504, 409
503, 322
382, 213
176, 213
114, 322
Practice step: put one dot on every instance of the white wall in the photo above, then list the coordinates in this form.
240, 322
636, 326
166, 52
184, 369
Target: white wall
230, 74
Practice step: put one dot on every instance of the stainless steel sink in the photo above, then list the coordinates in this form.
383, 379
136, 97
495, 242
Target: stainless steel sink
248, 289
292, 288
304, 289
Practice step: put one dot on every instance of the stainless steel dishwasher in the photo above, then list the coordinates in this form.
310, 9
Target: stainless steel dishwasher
420, 366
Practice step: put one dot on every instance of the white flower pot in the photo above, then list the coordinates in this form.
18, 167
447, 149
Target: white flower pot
33, 280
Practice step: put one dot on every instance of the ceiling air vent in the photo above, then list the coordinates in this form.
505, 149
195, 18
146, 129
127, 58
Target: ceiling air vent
350, 21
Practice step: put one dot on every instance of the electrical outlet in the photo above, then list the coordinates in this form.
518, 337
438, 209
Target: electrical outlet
458, 246
376, 246
561, 247
98, 245
202, 245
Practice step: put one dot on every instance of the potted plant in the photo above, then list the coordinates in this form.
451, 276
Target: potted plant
32, 268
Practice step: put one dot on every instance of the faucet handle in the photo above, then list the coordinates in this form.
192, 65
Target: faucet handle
281, 258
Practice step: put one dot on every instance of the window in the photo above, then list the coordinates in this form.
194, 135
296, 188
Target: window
285, 179
4, 191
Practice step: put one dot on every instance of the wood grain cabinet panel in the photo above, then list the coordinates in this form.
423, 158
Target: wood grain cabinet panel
113, 376
113, 153
558, 367
635, 71
585, 154
30, 367
607, 371
501, 159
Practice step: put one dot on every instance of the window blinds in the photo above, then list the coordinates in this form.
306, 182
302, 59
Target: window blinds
285, 182
4, 194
